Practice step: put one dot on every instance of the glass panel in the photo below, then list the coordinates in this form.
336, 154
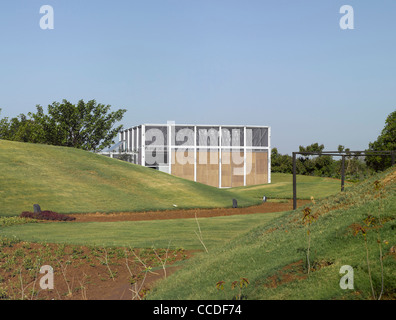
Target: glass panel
155, 156
135, 139
156, 135
232, 137
183, 136
208, 136
257, 137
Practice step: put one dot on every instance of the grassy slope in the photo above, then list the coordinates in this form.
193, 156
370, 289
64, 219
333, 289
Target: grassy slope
264, 251
68, 180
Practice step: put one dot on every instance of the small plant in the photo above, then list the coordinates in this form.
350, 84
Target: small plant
137, 291
308, 219
63, 268
3, 293
220, 285
163, 261
199, 235
242, 283
379, 187
105, 261
363, 231
10, 221
19, 253
371, 221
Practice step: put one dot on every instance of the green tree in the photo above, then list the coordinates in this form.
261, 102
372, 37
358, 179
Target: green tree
385, 142
281, 163
306, 164
19, 128
314, 147
88, 126
4, 127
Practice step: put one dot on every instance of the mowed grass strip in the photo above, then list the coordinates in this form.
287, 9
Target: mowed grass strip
178, 233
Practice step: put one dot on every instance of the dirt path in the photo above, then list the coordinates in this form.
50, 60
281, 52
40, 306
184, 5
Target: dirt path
182, 214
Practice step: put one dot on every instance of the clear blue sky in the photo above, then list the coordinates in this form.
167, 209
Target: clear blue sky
286, 64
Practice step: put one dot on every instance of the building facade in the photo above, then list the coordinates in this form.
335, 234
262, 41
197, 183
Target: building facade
216, 155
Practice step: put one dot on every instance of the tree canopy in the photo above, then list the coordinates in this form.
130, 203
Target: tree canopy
385, 142
87, 126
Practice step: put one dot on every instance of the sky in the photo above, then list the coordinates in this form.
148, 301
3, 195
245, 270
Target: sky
284, 64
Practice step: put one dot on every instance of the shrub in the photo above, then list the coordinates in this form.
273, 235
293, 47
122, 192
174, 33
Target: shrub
46, 215
10, 221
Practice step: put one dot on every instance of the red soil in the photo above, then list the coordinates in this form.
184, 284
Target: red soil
189, 213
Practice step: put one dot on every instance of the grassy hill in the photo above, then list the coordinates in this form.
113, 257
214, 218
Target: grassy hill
273, 256
69, 180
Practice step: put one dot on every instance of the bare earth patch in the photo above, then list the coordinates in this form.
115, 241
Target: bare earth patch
83, 273
266, 207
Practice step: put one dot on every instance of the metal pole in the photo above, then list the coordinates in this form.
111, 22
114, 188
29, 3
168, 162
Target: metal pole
342, 173
294, 183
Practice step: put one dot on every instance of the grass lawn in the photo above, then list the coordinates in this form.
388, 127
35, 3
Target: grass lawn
281, 187
68, 180
179, 233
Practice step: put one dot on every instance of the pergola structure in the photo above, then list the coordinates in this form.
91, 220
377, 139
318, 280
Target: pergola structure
343, 154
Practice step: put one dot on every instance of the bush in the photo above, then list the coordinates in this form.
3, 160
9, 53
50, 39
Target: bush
10, 221
46, 215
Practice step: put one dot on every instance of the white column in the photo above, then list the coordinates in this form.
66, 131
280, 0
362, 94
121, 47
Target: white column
170, 147
195, 153
244, 156
133, 141
127, 141
143, 137
123, 140
139, 160
219, 156
269, 154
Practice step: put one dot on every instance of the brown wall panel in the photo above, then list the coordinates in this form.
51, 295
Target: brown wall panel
208, 167
236, 169
225, 169
261, 167
250, 168
208, 172
202, 170
181, 170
